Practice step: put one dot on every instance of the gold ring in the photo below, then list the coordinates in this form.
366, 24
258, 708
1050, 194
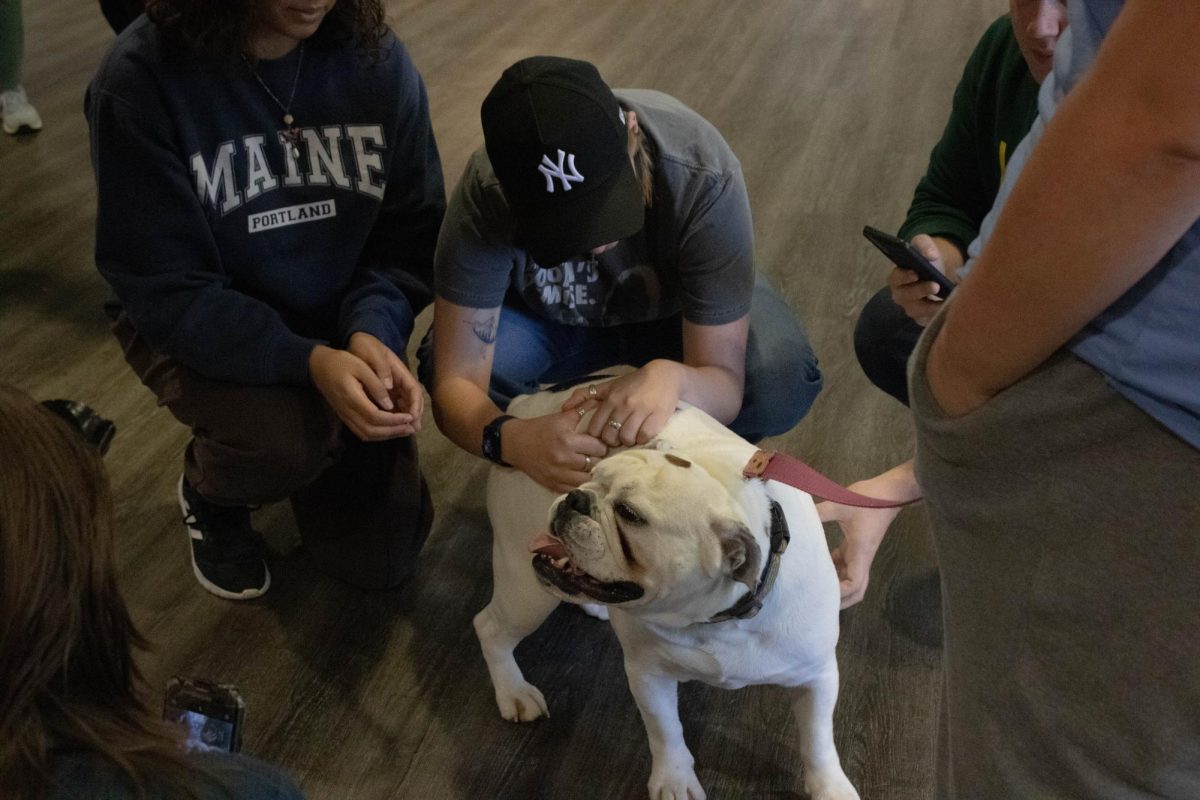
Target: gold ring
616, 426
587, 463
592, 392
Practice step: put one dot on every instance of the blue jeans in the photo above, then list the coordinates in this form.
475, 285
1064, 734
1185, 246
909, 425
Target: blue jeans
782, 376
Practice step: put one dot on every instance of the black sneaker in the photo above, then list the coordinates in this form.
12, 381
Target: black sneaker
227, 554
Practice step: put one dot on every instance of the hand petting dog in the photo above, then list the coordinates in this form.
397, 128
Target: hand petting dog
633, 408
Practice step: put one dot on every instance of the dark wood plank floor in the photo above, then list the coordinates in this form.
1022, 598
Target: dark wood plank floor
832, 106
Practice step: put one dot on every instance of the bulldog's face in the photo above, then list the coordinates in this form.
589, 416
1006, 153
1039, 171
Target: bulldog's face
651, 530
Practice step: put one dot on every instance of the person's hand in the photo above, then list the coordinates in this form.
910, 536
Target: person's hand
863, 528
633, 408
862, 532
403, 388
918, 298
357, 395
551, 451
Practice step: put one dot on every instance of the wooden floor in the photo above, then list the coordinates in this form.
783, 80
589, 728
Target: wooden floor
832, 106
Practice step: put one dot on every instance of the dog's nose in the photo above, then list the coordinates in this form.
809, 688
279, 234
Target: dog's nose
579, 501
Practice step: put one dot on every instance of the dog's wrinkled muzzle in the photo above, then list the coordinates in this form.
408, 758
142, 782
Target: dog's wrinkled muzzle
552, 560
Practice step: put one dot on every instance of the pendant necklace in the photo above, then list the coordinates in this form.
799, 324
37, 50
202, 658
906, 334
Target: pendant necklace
290, 137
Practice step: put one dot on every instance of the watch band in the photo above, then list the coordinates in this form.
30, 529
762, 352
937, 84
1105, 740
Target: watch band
491, 440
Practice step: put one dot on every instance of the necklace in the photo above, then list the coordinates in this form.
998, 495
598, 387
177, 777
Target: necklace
289, 138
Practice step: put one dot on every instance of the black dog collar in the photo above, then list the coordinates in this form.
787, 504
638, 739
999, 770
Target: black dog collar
752, 603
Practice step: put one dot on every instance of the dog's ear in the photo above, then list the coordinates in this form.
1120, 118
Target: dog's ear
742, 554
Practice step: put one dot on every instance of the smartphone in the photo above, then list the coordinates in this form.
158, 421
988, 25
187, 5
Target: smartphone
905, 256
212, 714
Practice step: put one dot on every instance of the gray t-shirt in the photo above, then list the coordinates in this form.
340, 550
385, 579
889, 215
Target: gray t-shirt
695, 253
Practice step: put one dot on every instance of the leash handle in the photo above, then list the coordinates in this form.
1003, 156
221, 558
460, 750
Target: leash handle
773, 466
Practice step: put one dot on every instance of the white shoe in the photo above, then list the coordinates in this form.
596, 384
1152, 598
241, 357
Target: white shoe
17, 112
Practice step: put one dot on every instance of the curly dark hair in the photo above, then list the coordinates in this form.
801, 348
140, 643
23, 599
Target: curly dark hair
222, 29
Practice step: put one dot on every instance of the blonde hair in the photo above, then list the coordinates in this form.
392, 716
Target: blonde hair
66, 638
641, 151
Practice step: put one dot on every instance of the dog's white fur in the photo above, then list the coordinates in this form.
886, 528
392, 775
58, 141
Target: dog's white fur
685, 558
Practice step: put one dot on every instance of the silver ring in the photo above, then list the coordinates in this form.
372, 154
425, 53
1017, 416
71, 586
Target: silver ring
592, 392
582, 412
616, 426
587, 463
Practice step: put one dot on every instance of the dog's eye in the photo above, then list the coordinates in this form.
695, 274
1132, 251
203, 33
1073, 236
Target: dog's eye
626, 512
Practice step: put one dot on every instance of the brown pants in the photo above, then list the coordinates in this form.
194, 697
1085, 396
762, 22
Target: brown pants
362, 508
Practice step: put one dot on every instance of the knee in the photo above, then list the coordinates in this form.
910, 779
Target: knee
874, 329
884, 337
264, 454
778, 392
513, 374
788, 394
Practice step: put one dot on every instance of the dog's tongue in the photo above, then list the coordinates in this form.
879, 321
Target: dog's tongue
548, 545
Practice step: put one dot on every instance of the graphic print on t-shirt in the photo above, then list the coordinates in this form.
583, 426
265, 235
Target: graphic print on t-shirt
599, 291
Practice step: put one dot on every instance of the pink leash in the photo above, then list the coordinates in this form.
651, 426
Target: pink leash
781, 467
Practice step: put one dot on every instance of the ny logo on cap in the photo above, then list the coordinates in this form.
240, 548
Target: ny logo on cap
552, 171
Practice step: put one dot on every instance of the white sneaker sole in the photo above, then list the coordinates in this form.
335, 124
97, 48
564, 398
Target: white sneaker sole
15, 126
247, 594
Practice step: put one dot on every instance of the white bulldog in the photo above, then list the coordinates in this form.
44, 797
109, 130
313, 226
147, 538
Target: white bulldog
679, 547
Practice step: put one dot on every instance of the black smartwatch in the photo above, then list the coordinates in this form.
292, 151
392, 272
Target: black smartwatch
491, 440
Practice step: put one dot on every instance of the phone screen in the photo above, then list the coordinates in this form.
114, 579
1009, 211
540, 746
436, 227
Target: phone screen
210, 714
204, 733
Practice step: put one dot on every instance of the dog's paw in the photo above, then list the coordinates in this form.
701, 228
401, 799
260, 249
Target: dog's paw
675, 782
597, 610
522, 702
830, 785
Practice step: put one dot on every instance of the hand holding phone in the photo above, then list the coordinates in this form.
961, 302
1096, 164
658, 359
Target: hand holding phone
212, 714
905, 256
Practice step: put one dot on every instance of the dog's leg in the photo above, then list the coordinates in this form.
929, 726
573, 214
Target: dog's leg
519, 605
813, 706
672, 776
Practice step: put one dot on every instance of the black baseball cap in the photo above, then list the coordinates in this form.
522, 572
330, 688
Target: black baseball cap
556, 138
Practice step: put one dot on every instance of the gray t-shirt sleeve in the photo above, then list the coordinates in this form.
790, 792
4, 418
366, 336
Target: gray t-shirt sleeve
473, 263
703, 237
716, 253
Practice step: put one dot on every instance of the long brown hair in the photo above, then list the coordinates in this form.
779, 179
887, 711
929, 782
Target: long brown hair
224, 29
66, 639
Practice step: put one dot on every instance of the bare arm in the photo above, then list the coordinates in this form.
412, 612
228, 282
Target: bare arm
463, 346
548, 448
1112, 185
714, 361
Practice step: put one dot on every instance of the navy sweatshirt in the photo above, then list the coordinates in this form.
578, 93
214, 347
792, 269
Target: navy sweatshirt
228, 252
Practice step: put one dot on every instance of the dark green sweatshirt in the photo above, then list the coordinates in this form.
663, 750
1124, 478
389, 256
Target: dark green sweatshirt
994, 106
